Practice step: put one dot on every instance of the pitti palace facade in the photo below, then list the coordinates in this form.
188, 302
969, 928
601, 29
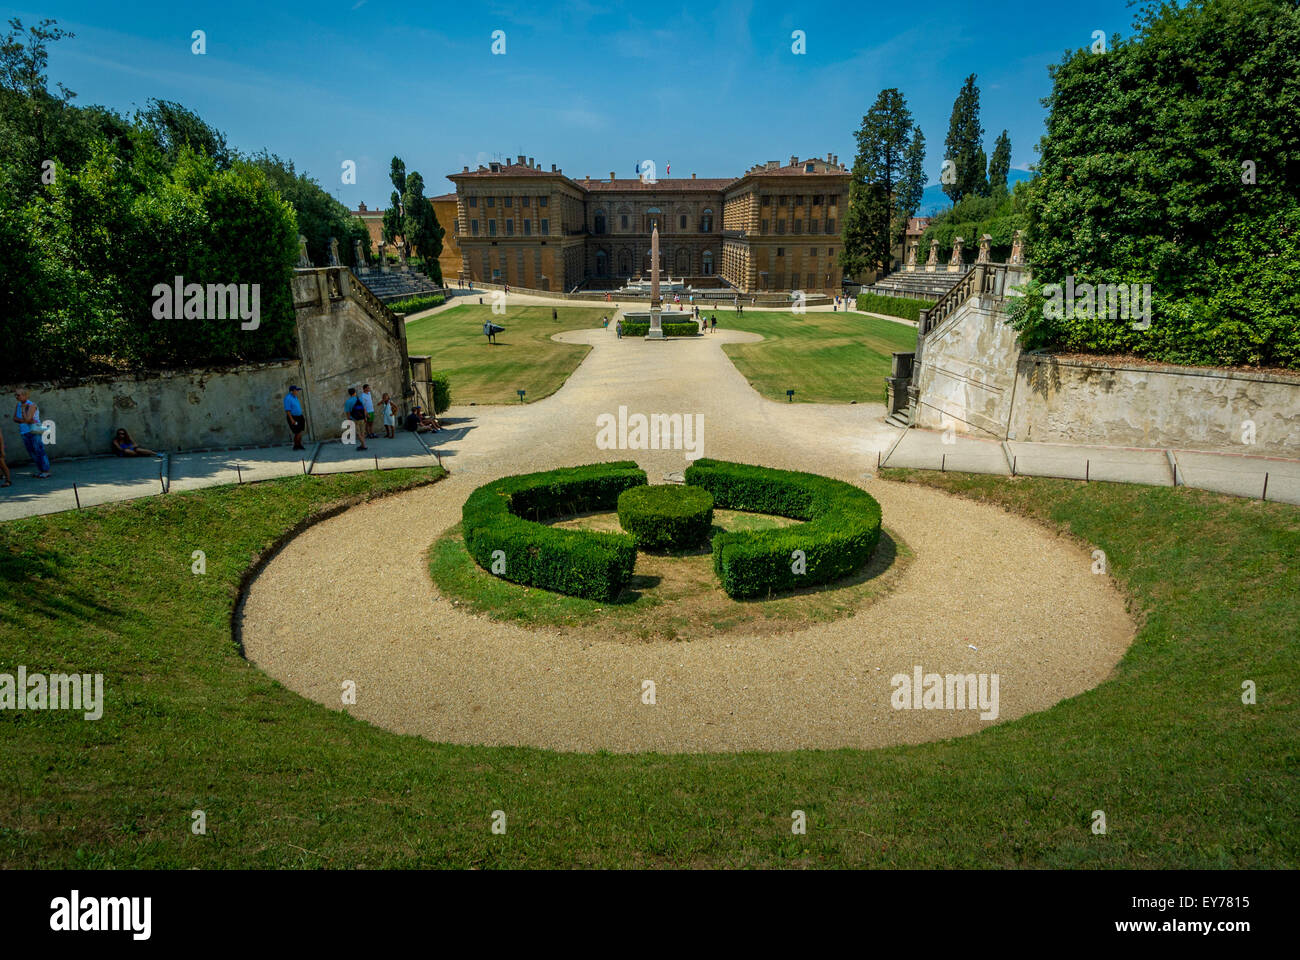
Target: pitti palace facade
774, 228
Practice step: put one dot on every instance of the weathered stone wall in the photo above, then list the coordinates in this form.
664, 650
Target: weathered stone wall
346, 337
1189, 407
176, 410
967, 372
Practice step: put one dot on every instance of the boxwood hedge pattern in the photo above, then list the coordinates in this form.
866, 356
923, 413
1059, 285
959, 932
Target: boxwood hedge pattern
841, 532
666, 517
637, 328
580, 563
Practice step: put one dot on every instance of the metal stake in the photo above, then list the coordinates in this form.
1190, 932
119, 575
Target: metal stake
77, 495
1264, 495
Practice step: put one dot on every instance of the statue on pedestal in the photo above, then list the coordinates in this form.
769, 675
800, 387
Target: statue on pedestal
954, 262
1017, 249
986, 243
303, 259
932, 262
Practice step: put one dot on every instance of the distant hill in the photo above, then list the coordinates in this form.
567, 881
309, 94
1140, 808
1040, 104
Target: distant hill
934, 199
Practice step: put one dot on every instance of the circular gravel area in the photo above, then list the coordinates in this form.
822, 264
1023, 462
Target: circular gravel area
988, 593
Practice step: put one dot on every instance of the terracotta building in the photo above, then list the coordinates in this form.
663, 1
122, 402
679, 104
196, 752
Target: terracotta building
776, 227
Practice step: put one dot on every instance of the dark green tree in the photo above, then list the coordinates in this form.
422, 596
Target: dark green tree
175, 126
1000, 165
964, 145
394, 216
420, 226
884, 184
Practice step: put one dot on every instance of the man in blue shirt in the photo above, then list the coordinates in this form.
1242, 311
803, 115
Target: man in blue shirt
293, 411
28, 417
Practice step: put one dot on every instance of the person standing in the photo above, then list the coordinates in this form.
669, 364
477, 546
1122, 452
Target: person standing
618, 328
368, 402
389, 410
293, 413
715, 323
28, 417
355, 411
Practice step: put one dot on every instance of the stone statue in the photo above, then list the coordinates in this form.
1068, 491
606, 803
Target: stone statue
401, 255
986, 242
1017, 249
932, 262
358, 254
911, 255
303, 259
383, 257
954, 262
334, 252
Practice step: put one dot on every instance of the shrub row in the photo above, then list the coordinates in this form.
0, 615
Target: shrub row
666, 517
440, 390
580, 563
841, 532
415, 304
636, 328
894, 306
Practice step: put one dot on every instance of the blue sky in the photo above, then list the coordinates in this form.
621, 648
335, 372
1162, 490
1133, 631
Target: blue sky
590, 87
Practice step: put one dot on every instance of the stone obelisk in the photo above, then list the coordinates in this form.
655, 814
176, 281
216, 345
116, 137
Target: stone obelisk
656, 324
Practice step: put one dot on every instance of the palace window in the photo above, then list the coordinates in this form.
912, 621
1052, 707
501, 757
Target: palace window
808, 168
682, 225
830, 226
706, 222
508, 201
523, 201
706, 266
796, 226
780, 251
812, 251
600, 221
623, 221
765, 226
492, 201
817, 200
546, 228
798, 201
767, 201
496, 273
528, 228
473, 228
473, 201
780, 226
510, 228
492, 228
542, 201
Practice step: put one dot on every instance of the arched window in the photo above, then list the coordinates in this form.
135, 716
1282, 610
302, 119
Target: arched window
600, 221
654, 215
683, 263
624, 264
602, 263
706, 268
706, 221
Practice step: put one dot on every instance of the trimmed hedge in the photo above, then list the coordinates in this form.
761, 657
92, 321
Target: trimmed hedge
666, 517
841, 532
580, 563
421, 301
639, 329
894, 306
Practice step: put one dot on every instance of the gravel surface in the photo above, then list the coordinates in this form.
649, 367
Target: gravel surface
988, 593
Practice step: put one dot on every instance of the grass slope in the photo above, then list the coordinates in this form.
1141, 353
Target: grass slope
523, 358
1187, 775
825, 357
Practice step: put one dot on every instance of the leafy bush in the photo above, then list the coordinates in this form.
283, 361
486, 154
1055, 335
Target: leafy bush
894, 306
580, 563
666, 517
841, 532
414, 304
441, 392
637, 328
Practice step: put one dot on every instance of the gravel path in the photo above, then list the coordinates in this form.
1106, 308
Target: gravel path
988, 593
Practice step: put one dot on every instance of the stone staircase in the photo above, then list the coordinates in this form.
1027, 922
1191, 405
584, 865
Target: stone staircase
917, 285
397, 284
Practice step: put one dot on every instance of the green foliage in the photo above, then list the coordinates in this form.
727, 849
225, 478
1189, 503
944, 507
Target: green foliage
1000, 165
415, 304
639, 328
1141, 180
175, 127
841, 532
420, 226
893, 306
319, 215
888, 179
580, 563
970, 218
666, 517
964, 145
441, 392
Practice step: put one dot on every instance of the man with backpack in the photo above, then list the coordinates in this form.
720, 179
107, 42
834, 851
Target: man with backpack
355, 411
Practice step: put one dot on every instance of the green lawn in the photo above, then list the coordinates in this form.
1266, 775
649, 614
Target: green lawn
523, 358
1187, 775
824, 357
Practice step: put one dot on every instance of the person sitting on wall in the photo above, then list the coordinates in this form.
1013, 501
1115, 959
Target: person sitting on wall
124, 446
418, 422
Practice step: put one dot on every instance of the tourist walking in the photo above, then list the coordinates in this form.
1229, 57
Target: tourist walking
355, 411
715, 323
618, 328
389, 410
293, 413
368, 402
28, 417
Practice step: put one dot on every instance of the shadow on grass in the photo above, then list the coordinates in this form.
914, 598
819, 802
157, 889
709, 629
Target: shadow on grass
41, 583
